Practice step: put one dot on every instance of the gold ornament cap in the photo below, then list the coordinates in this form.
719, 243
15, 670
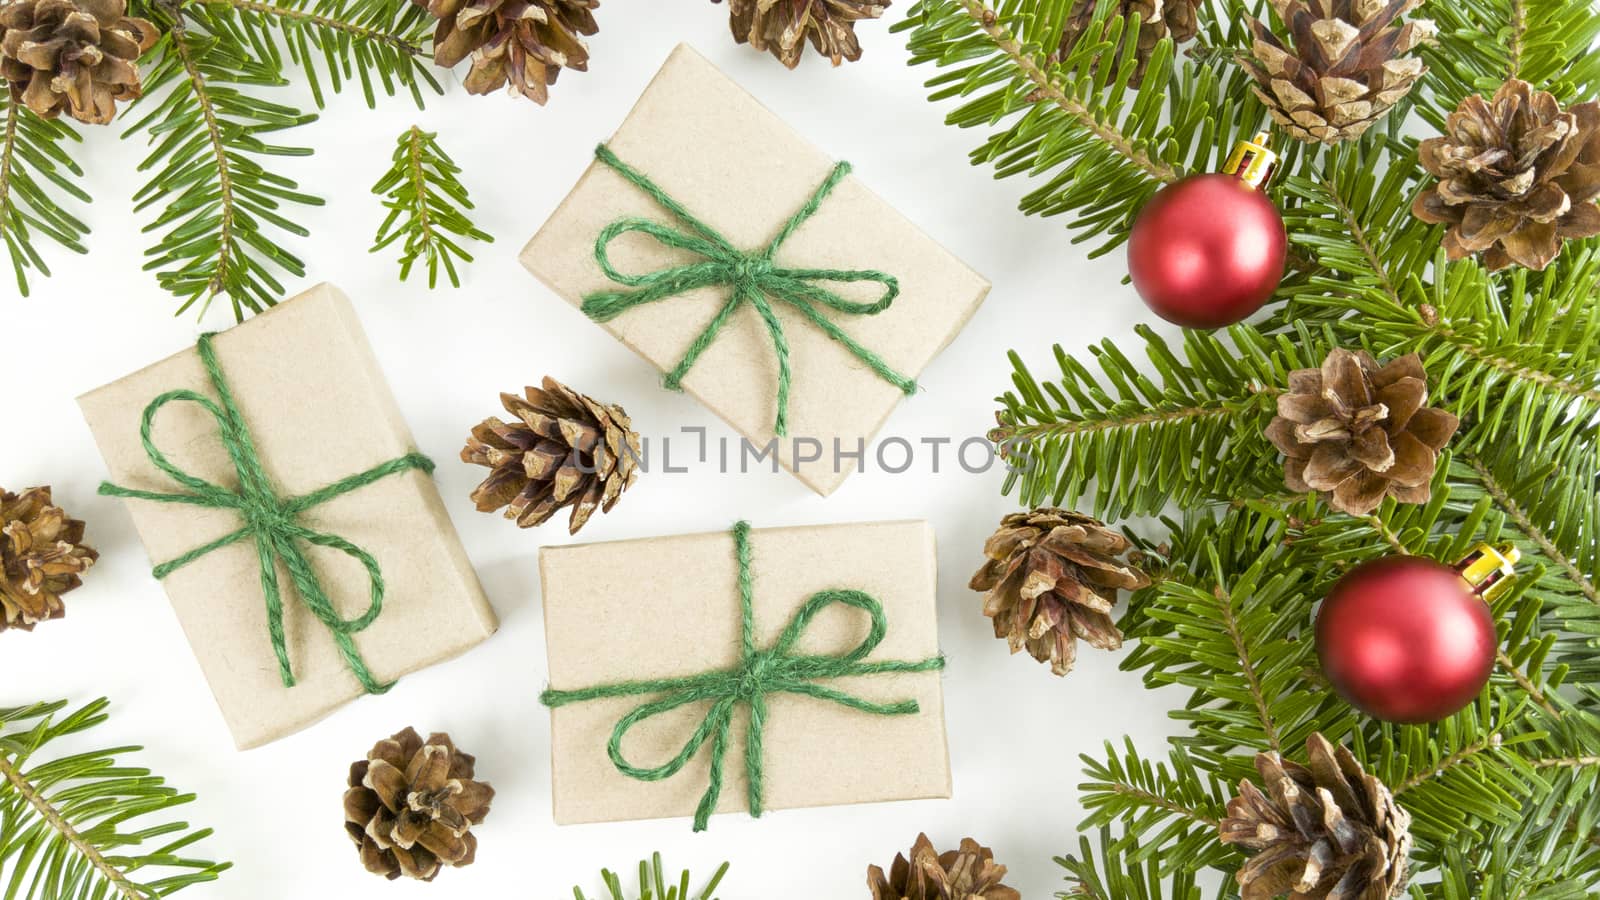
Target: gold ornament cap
1252, 161
1489, 569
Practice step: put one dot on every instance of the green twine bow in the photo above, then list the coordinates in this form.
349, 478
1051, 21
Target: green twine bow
270, 521
759, 673
753, 275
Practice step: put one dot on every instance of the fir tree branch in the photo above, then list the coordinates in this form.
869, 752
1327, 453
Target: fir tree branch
1145, 798
55, 820
1164, 809
400, 42
32, 156
383, 43
1517, 370
63, 820
215, 143
1065, 429
1138, 441
223, 212
989, 21
1460, 757
1484, 42
1230, 624
1061, 115
1560, 505
1509, 505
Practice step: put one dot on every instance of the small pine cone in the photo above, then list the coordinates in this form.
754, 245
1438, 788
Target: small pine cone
80, 56
1328, 831
1517, 177
1157, 19
1359, 433
1052, 579
42, 556
564, 449
411, 806
521, 43
966, 874
781, 27
1344, 67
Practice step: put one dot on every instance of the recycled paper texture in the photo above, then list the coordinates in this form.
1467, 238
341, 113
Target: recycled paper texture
669, 607
739, 168
318, 410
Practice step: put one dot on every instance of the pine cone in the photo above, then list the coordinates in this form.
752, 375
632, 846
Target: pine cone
1359, 433
1157, 19
1328, 832
525, 43
1517, 176
966, 874
1344, 67
1052, 578
411, 806
565, 449
77, 55
781, 27
42, 555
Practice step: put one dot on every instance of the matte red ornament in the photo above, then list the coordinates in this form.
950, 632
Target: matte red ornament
1207, 251
1409, 640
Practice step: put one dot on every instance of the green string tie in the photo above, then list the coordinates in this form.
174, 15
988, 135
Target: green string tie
753, 276
759, 673
271, 521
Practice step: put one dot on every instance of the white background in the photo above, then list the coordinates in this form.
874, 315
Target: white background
1015, 731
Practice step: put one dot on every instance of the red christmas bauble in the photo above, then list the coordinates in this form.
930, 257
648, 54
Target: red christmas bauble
1207, 251
1405, 639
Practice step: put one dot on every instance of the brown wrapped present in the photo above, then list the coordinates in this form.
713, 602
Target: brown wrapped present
753, 270
834, 682
299, 535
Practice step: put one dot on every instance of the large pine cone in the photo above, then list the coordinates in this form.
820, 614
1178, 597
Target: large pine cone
1344, 67
966, 874
523, 43
42, 556
1157, 19
75, 55
564, 449
1517, 176
782, 27
411, 806
1327, 832
1052, 579
1360, 433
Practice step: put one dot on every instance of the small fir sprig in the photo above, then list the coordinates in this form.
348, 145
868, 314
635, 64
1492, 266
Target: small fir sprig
653, 884
427, 204
79, 825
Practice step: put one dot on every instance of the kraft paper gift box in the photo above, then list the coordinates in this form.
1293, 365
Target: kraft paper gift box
737, 167
310, 392
670, 608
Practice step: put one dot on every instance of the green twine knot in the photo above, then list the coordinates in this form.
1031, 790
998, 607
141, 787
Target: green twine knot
777, 669
753, 276
272, 522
